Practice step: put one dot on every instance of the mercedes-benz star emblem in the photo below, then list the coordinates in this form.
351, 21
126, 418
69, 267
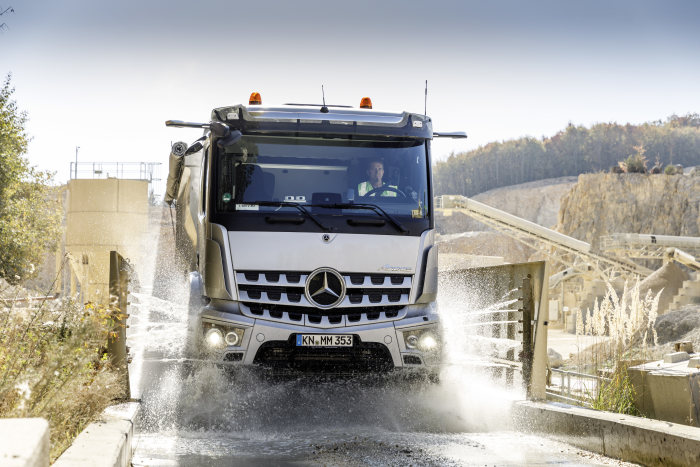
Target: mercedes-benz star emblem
325, 288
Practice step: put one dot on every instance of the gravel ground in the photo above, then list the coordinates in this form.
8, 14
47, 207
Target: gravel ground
681, 325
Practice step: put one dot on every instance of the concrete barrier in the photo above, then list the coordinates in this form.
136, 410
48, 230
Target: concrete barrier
632, 439
106, 442
24, 442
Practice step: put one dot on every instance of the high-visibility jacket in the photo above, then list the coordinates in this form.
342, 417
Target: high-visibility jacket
365, 187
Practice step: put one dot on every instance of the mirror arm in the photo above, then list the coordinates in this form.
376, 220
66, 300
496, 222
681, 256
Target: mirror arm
181, 124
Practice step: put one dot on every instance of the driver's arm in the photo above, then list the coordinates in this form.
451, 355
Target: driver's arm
363, 188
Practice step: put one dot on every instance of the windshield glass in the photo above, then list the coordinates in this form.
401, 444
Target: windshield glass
318, 171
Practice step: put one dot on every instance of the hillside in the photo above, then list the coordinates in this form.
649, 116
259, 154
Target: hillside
573, 151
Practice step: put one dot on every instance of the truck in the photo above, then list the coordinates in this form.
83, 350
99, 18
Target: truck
308, 235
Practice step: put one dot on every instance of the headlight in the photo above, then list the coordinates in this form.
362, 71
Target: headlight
232, 338
424, 339
427, 342
218, 335
214, 338
412, 341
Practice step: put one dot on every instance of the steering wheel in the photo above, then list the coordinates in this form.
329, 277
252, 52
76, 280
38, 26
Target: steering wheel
382, 189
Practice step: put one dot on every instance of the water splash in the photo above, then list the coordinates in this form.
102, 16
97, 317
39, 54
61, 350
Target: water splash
185, 397
467, 380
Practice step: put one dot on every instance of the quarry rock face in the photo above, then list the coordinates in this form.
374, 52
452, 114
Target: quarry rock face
603, 204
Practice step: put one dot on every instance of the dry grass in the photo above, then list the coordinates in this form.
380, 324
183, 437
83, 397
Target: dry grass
624, 327
53, 365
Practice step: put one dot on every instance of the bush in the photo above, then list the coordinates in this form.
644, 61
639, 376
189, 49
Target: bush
616, 395
53, 365
625, 325
635, 163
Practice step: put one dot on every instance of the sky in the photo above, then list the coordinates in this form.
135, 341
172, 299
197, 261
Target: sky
105, 76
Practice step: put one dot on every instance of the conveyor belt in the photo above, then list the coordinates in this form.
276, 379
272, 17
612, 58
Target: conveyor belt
536, 236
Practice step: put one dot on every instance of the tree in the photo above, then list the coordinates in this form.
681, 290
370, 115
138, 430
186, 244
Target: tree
30, 211
572, 151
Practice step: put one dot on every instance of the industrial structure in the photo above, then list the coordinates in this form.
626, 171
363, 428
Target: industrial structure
579, 273
104, 213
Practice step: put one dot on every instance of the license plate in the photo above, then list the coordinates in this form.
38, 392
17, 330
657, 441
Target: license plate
324, 340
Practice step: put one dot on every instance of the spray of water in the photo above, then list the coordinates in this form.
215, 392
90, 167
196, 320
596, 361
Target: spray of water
184, 398
197, 395
468, 386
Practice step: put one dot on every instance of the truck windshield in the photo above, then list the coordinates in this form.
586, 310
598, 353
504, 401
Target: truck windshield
269, 173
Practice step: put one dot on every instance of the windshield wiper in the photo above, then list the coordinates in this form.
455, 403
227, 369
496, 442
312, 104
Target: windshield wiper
298, 206
368, 206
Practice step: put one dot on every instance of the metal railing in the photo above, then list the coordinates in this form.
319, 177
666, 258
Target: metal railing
148, 171
123, 170
584, 389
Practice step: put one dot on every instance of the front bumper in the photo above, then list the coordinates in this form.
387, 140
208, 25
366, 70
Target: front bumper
377, 347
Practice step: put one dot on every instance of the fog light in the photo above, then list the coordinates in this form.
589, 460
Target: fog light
412, 341
232, 338
214, 338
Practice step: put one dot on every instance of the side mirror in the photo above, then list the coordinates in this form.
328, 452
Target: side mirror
223, 133
220, 130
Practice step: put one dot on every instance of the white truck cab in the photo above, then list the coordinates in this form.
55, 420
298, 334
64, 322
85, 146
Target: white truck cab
310, 237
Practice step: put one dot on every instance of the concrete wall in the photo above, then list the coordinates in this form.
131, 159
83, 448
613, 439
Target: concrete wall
103, 215
24, 442
632, 439
668, 391
107, 442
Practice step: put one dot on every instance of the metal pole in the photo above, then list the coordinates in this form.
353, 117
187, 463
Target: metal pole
511, 331
76, 161
527, 310
116, 342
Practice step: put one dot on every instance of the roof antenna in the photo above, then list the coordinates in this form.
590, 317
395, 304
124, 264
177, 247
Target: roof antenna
324, 109
425, 108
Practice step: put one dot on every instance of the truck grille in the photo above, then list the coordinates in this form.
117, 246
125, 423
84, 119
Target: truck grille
279, 296
361, 357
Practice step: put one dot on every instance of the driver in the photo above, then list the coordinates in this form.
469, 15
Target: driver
375, 172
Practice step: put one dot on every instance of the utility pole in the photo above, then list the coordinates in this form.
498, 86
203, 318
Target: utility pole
76, 161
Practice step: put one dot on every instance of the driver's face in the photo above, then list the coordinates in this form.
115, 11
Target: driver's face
375, 172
